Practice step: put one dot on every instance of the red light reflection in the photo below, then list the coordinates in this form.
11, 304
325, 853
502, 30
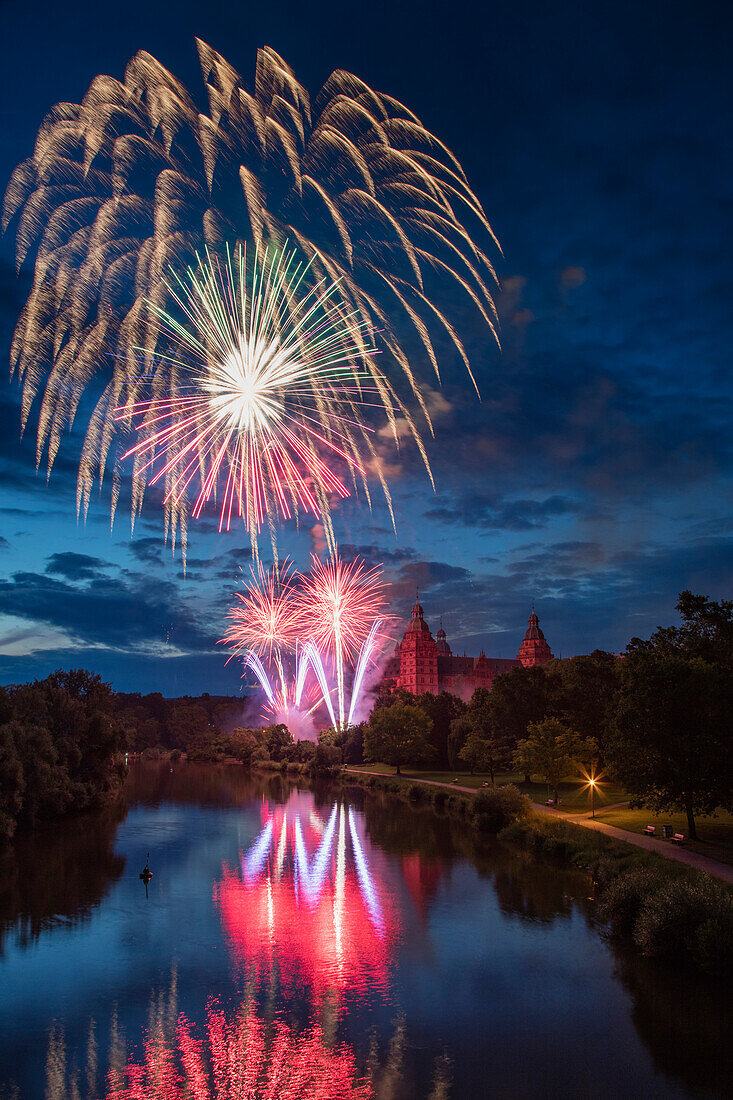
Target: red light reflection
308, 902
241, 1059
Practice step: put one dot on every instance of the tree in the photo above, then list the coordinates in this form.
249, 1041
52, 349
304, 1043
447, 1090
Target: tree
671, 746
12, 783
552, 750
587, 696
306, 751
484, 754
706, 631
460, 730
243, 742
277, 738
442, 709
326, 759
485, 750
398, 735
188, 723
353, 745
519, 697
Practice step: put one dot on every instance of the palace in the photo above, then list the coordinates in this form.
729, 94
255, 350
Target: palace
421, 663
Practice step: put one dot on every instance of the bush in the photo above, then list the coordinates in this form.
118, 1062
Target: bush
440, 799
622, 900
494, 809
712, 948
416, 792
686, 916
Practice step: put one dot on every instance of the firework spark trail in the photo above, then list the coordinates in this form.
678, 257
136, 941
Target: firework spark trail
338, 602
367, 652
138, 178
316, 663
264, 617
263, 630
272, 384
251, 660
285, 623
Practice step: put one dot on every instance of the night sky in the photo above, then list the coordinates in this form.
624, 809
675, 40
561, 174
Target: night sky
594, 478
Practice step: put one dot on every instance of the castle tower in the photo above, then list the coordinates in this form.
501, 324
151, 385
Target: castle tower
534, 650
482, 674
418, 656
441, 644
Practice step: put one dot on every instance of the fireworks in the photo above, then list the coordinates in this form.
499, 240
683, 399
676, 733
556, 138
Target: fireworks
269, 379
339, 603
135, 181
264, 632
283, 624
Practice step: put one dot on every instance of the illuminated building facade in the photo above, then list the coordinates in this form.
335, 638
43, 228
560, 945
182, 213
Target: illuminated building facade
422, 663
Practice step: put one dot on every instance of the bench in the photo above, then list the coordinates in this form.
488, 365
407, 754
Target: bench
650, 830
678, 838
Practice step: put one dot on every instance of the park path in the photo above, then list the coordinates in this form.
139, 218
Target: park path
652, 844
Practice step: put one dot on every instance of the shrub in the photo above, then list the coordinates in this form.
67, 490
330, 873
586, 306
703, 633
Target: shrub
494, 809
416, 792
622, 900
712, 947
439, 799
685, 916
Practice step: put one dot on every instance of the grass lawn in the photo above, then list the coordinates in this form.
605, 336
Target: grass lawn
574, 794
574, 797
715, 833
463, 779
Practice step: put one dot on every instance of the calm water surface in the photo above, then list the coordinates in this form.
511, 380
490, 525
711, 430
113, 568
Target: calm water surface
293, 942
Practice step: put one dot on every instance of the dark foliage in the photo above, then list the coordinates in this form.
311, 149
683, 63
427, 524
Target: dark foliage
60, 748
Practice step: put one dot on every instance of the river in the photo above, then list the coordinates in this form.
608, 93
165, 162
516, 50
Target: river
294, 941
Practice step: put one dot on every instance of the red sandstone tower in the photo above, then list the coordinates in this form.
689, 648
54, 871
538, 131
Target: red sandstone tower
418, 657
534, 650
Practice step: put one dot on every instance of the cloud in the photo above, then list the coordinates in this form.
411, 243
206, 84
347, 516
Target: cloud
75, 567
4, 544
572, 277
485, 511
128, 613
147, 550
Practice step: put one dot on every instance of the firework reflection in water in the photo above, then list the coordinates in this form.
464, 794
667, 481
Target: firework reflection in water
308, 905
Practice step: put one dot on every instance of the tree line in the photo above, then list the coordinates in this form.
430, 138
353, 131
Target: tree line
60, 746
656, 719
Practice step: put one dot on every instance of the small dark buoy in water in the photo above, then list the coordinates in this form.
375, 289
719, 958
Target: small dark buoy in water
146, 874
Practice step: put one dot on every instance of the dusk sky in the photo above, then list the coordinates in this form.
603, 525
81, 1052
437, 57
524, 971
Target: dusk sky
595, 476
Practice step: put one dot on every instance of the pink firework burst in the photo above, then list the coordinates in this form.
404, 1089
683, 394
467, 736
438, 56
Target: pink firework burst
339, 602
267, 385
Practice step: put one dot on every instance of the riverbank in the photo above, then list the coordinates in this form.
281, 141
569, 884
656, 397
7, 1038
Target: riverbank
714, 845
667, 907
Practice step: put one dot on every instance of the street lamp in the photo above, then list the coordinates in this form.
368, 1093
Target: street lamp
592, 783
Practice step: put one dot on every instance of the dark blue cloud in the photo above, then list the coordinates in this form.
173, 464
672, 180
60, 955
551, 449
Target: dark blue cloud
76, 567
120, 612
